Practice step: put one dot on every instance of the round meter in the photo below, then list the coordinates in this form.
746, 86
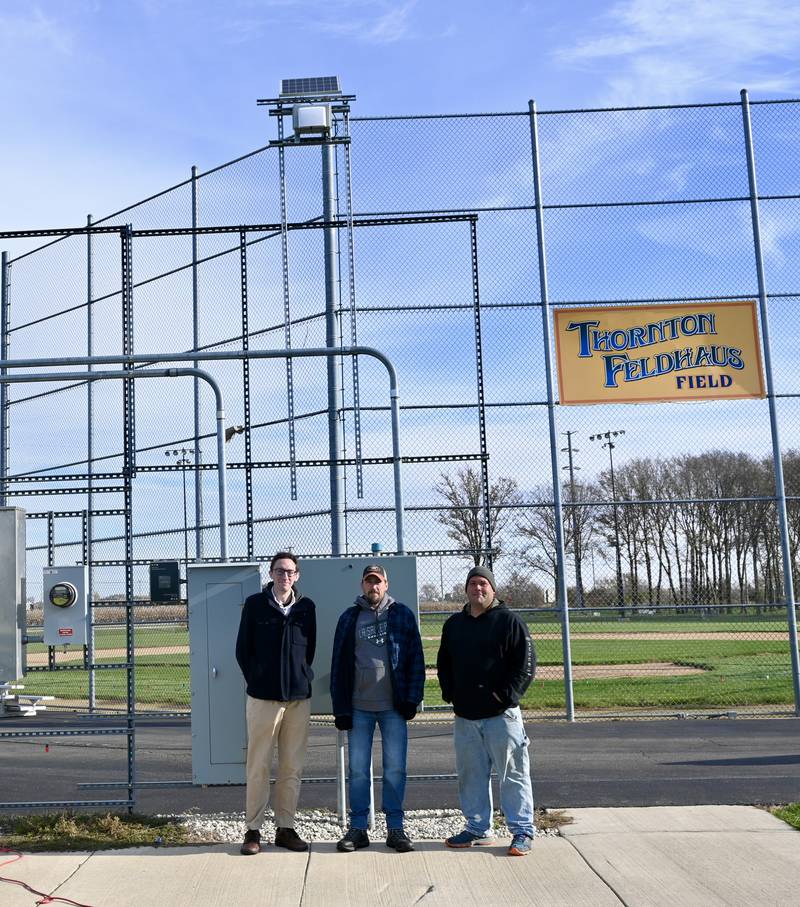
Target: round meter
63, 595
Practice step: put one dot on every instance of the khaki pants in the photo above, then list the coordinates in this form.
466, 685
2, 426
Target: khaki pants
270, 723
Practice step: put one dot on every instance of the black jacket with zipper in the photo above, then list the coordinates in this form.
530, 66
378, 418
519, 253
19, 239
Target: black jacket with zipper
485, 663
275, 651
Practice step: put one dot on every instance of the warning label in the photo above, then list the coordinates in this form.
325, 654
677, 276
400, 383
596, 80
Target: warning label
65, 631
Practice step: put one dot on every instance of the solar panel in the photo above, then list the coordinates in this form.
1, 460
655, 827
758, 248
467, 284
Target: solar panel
319, 85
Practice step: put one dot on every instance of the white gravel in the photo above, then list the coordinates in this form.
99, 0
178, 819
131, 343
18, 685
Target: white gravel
323, 825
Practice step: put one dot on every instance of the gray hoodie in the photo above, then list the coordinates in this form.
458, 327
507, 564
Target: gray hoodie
372, 689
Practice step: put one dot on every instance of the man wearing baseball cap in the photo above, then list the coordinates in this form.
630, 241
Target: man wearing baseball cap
486, 661
377, 677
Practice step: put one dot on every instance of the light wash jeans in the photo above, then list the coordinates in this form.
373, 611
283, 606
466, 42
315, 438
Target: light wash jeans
500, 742
394, 740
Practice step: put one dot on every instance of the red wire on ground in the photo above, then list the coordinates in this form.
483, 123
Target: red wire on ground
46, 898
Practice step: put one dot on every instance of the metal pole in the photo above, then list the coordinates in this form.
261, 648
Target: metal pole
341, 774
90, 464
780, 489
561, 579
575, 528
333, 341
4, 421
198, 454
184, 462
620, 586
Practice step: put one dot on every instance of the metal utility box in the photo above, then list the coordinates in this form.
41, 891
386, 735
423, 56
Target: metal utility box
216, 594
333, 585
311, 119
12, 593
66, 607
165, 582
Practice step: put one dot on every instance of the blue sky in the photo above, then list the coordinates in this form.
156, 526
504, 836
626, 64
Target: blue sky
105, 102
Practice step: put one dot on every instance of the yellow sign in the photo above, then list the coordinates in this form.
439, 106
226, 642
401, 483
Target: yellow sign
640, 353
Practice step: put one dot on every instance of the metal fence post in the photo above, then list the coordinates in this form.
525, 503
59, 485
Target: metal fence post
198, 455
561, 581
90, 464
333, 339
780, 489
4, 323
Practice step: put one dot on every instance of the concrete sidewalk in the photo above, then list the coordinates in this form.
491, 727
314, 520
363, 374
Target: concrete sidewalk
701, 855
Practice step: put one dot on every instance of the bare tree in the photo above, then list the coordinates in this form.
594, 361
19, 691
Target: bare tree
464, 515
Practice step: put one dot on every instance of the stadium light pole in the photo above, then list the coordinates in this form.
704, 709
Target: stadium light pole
182, 455
569, 449
606, 438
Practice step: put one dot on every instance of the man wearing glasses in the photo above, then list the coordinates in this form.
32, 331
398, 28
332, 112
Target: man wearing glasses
275, 649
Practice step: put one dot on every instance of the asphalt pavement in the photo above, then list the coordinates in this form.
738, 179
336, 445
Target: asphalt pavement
582, 764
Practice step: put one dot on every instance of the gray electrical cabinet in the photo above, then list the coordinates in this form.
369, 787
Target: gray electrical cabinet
216, 595
12, 593
66, 606
333, 584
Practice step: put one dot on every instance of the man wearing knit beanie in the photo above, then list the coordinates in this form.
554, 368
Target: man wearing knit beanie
486, 661
485, 572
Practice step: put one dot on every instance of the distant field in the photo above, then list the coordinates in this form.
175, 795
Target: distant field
742, 660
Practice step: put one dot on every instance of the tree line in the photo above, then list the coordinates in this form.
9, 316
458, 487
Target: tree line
692, 530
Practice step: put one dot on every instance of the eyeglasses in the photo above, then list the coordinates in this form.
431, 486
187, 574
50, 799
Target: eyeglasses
279, 571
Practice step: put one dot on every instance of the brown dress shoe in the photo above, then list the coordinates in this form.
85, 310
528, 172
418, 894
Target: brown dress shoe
288, 838
251, 843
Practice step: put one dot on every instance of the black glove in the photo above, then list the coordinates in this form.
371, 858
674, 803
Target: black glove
343, 722
408, 710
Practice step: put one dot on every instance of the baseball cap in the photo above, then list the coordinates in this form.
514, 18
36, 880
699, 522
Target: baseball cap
374, 570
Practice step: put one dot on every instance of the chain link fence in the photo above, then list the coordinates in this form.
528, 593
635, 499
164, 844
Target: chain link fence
674, 568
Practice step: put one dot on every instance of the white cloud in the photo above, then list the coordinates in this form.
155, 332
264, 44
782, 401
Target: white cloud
377, 23
34, 27
676, 50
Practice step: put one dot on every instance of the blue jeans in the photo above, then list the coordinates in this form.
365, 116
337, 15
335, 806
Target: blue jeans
394, 740
500, 742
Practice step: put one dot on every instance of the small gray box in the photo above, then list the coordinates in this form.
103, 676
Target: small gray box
66, 607
12, 593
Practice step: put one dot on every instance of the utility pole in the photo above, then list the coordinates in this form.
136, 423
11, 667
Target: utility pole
576, 541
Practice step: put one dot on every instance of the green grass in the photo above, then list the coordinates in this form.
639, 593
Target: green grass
736, 672
789, 813
431, 626
69, 831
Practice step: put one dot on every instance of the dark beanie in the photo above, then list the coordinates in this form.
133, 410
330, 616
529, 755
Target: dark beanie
485, 572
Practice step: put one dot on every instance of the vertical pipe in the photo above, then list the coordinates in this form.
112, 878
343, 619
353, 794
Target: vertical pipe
90, 462
248, 441
333, 341
129, 459
476, 310
780, 488
397, 463
4, 421
287, 316
561, 588
351, 280
198, 454
341, 774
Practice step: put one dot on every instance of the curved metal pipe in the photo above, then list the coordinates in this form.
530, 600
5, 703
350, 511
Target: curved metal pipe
194, 356
156, 373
